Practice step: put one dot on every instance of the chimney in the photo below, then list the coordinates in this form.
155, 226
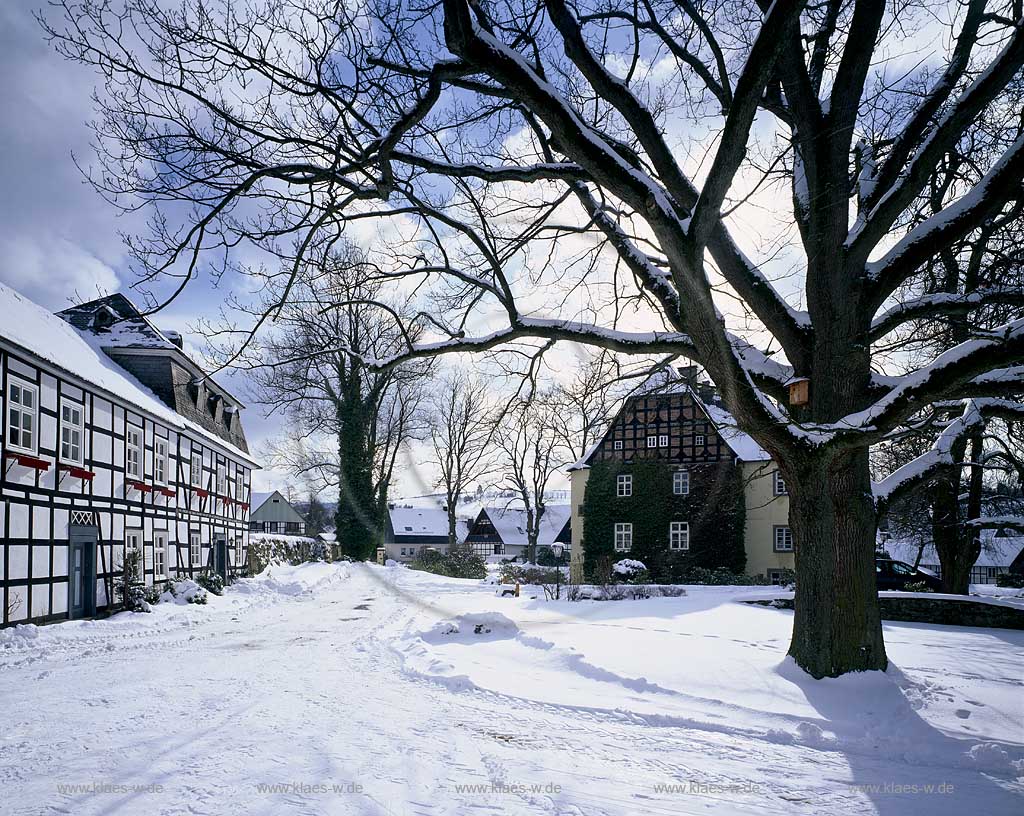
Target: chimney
688, 374
175, 338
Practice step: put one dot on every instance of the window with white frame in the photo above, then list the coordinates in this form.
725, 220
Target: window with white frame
196, 474
681, 482
779, 484
679, 535
195, 549
22, 416
133, 452
71, 431
783, 539
159, 555
624, 484
160, 460
698, 440
623, 536
617, 444
239, 551
133, 544
222, 480
652, 441
662, 440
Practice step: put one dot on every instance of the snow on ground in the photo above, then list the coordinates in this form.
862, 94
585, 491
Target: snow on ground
355, 689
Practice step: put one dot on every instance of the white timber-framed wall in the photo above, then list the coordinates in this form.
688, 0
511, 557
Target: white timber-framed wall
43, 494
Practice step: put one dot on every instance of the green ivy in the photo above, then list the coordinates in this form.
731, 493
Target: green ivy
714, 507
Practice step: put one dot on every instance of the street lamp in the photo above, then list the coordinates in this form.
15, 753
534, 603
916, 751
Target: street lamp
556, 550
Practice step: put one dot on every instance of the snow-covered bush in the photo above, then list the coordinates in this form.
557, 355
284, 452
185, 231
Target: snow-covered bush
461, 561
722, 577
630, 571
271, 548
917, 586
211, 582
130, 591
526, 574
183, 590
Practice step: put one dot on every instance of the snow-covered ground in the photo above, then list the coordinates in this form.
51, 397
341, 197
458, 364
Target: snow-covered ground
353, 689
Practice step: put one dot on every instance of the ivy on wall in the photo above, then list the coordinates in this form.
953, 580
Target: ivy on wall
714, 508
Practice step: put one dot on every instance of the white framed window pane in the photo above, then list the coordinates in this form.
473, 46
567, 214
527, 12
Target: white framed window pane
197, 469
624, 485
623, 536
663, 441
698, 440
617, 444
652, 441
681, 482
21, 416
134, 448
679, 535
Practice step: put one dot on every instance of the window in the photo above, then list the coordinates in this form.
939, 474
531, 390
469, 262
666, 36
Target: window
22, 415
196, 475
239, 551
992, 572
222, 480
623, 536
133, 544
499, 549
617, 444
133, 446
783, 539
159, 555
579, 509
624, 484
681, 482
160, 461
679, 535
652, 441
698, 440
71, 427
663, 440
775, 576
195, 550
779, 484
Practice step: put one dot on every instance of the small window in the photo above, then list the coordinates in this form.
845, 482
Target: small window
239, 545
196, 475
623, 536
624, 485
663, 441
195, 549
408, 529
160, 461
22, 416
133, 452
775, 576
779, 484
222, 480
681, 482
652, 441
783, 539
133, 544
71, 431
617, 444
159, 555
679, 535
698, 440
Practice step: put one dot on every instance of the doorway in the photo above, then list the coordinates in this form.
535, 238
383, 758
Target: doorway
82, 571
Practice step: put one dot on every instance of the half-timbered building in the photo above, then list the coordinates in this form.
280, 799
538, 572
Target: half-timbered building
113, 439
501, 531
675, 483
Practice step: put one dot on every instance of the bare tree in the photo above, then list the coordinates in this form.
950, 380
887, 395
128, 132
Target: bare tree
529, 452
461, 426
583, 405
348, 421
534, 167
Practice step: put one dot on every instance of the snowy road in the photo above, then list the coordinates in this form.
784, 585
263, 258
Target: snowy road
274, 700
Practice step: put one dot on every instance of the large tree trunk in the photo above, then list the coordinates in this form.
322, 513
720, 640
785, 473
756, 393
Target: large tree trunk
836, 627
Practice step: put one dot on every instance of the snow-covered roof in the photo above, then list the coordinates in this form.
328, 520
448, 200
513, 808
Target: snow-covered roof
996, 551
424, 521
510, 523
742, 444
79, 354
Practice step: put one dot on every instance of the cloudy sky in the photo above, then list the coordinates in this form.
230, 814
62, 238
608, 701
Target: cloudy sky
59, 241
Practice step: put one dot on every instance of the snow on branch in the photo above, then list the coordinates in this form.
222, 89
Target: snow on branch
942, 303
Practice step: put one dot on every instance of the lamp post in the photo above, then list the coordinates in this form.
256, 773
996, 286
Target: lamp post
556, 550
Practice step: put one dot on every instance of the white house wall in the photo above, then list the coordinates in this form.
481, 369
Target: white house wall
36, 506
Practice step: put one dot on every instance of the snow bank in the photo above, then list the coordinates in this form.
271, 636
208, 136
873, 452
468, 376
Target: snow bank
301, 579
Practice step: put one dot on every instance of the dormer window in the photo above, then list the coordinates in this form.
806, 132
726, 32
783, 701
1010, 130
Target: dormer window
103, 318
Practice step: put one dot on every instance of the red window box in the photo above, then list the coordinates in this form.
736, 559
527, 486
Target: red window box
26, 460
79, 472
142, 488
166, 491
200, 492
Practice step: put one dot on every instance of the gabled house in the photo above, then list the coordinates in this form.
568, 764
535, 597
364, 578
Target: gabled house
409, 530
999, 550
673, 482
112, 440
502, 530
273, 513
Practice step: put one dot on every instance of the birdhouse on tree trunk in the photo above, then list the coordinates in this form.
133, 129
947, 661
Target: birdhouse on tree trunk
799, 391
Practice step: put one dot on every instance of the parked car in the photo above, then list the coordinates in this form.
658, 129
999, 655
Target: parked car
896, 575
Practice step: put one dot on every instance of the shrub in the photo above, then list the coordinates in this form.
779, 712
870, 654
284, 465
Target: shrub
787, 579
1010, 580
917, 586
461, 561
130, 590
184, 589
546, 557
722, 577
520, 574
211, 582
630, 571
